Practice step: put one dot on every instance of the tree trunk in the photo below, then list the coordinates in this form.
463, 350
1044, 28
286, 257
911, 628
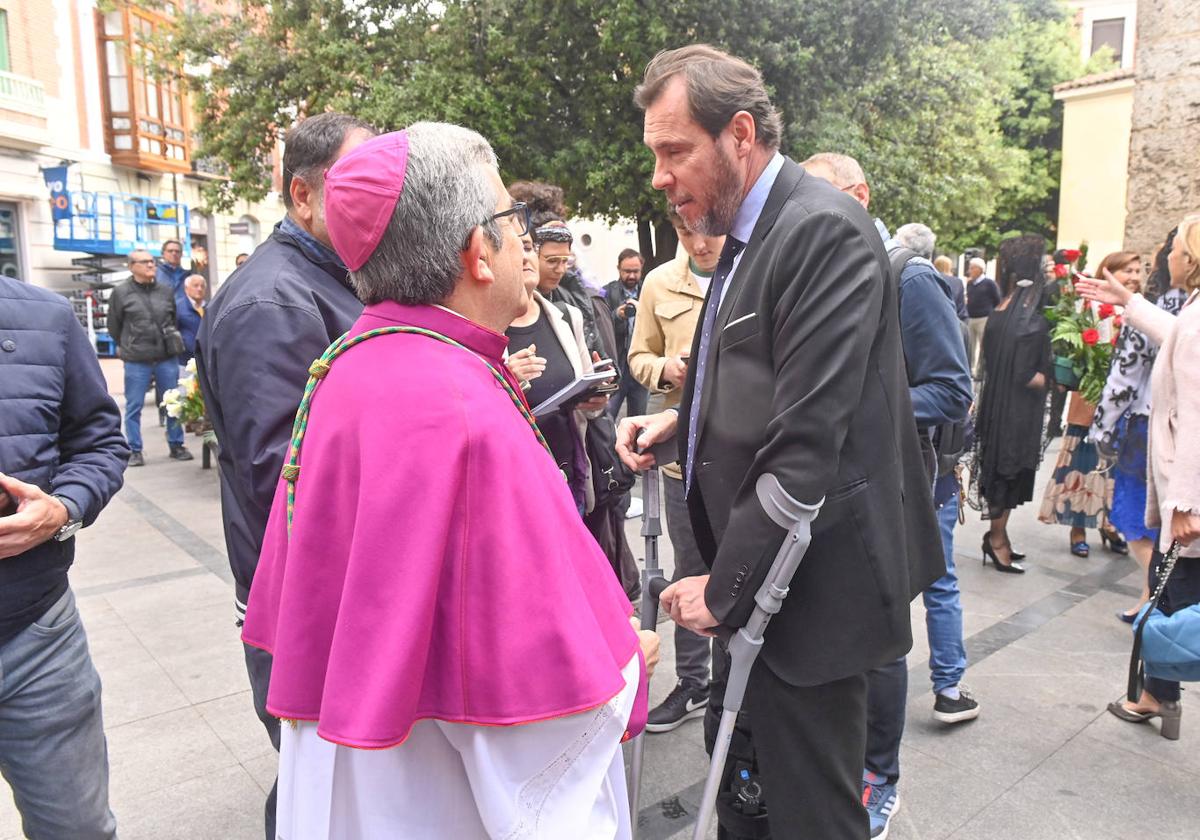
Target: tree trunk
646, 243
666, 242
657, 242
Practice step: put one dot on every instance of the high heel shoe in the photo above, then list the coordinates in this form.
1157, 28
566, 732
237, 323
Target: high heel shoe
1008, 568
1080, 549
1170, 713
1113, 542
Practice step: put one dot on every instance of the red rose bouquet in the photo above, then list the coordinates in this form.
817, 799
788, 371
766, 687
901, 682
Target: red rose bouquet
1082, 336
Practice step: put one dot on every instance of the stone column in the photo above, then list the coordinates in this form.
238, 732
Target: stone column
1164, 147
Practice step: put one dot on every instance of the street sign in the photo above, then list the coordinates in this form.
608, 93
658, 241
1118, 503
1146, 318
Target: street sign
239, 228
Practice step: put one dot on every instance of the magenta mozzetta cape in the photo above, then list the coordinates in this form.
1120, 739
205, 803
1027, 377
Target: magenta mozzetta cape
437, 565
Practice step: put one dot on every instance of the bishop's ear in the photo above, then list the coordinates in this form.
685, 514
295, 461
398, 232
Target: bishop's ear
477, 257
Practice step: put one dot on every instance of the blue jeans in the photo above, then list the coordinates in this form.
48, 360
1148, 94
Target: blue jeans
137, 382
943, 611
52, 748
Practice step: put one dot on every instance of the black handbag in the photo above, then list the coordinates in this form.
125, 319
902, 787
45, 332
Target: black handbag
174, 340
1137, 668
611, 479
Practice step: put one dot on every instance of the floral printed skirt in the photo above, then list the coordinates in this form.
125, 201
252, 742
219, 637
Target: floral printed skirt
1080, 492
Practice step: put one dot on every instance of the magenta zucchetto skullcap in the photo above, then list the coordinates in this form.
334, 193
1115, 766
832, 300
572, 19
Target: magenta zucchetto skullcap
361, 191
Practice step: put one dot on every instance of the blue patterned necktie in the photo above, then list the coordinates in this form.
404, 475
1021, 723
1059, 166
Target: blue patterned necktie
724, 267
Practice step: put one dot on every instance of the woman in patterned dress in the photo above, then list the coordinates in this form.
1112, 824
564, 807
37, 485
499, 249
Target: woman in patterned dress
1080, 491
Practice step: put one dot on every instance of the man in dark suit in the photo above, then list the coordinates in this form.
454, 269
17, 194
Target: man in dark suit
798, 371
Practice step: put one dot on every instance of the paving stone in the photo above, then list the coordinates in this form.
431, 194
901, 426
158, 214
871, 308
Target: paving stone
1088, 783
234, 721
225, 804
155, 753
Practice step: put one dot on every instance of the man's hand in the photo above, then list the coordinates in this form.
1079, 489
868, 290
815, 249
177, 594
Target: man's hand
629, 308
675, 371
1185, 527
36, 519
684, 600
649, 642
644, 431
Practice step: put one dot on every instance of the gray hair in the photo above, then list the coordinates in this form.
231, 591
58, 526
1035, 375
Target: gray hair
917, 237
311, 146
446, 196
978, 261
844, 169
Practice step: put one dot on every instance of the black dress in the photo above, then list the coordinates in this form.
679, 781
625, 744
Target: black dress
1016, 347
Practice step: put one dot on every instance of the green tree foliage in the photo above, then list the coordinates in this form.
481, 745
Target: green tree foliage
946, 103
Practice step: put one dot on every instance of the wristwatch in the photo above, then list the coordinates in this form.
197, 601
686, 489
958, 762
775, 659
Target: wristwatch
74, 520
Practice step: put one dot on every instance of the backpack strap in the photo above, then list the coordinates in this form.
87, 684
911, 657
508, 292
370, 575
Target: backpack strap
899, 256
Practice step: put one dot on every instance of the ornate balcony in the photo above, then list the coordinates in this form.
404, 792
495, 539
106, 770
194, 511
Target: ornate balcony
23, 110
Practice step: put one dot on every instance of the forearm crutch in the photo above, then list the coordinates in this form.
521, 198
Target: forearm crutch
746, 643
651, 531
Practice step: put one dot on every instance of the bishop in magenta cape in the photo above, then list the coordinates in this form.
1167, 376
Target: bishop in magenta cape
437, 567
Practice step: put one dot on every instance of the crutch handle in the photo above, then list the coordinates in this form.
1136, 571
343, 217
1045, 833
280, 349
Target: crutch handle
658, 586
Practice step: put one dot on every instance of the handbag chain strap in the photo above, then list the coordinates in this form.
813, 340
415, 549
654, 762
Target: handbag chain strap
1137, 671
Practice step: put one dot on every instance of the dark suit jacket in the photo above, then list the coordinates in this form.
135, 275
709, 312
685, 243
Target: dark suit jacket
806, 380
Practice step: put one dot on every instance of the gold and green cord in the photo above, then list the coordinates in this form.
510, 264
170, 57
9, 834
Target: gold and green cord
318, 370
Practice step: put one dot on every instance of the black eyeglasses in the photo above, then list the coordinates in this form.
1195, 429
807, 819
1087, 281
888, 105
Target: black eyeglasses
520, 213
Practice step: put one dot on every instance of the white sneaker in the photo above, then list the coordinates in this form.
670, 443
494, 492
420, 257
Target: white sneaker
635, 508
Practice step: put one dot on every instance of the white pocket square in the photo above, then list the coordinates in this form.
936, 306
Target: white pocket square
739, 320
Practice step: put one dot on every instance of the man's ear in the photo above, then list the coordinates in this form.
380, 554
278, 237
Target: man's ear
744, 132
477, 258
862, 192
302, 199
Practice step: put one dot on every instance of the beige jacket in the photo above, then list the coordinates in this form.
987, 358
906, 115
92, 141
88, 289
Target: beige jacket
1173, 482
668, 312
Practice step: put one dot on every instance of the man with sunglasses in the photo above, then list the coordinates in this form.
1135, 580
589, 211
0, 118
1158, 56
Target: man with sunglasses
139, 312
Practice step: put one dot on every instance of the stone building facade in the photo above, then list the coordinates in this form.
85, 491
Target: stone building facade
1164, 143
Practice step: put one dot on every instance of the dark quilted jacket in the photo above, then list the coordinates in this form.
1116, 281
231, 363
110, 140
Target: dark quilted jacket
59, 429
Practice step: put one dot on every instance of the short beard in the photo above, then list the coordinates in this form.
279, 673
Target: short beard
725, 199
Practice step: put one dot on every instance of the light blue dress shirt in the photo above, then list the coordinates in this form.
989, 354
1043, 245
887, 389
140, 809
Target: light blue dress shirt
748, 214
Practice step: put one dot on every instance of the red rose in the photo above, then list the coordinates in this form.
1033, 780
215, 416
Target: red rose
1117, 322
1072, 254
1106, 311
1061, 271
1090, 336
1114, 340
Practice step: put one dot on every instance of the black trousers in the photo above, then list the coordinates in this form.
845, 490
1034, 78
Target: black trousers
258, 666
887, 697
1183, 590
809, 742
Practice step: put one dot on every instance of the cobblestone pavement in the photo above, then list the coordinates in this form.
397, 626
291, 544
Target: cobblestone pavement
1044, 760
